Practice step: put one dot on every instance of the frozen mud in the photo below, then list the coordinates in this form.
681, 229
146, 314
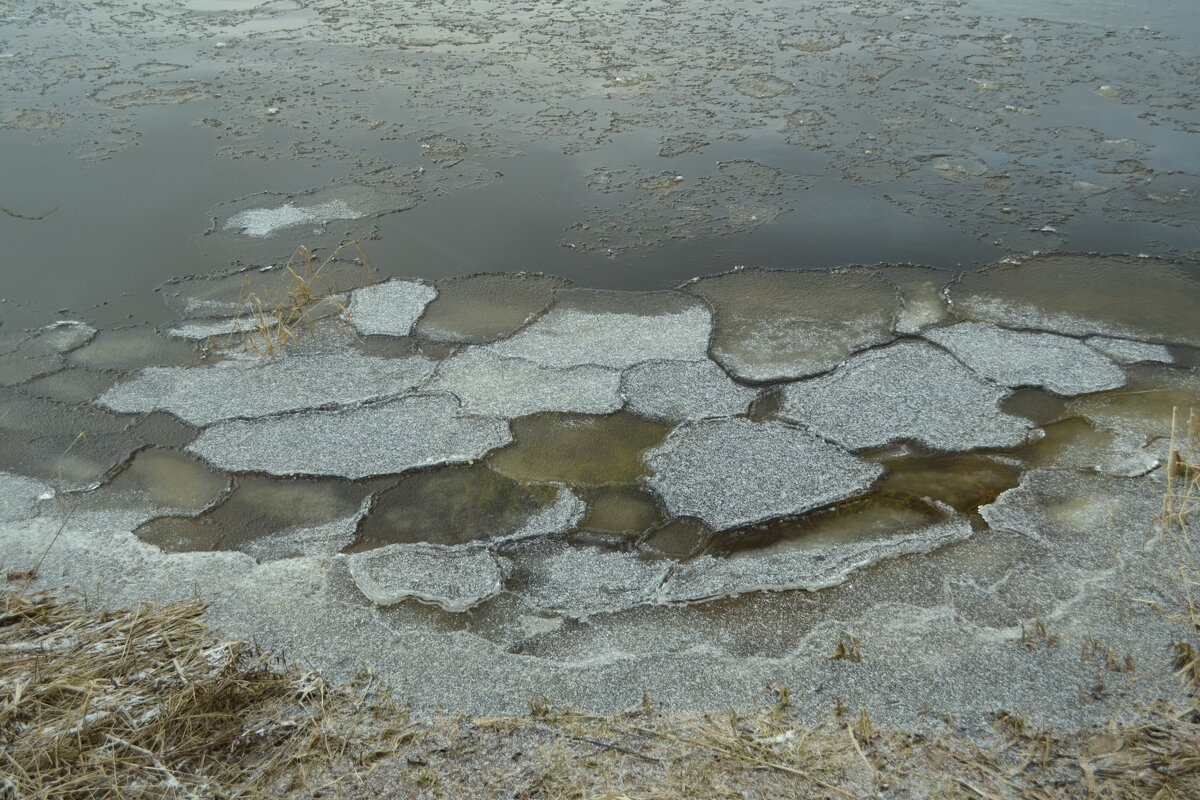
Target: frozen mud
906, 392
1061, 364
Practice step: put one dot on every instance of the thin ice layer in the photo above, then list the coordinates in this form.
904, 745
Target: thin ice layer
614, 329
385, 438
773, 324
910, 390
809, 568
734, 472
248, 388
482, 308
683, 390
1080, 295
390, 308
1125, 351
1061, 364
578, 582
514, 387
454, 578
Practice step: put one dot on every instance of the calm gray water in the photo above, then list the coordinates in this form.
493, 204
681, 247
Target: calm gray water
628, 145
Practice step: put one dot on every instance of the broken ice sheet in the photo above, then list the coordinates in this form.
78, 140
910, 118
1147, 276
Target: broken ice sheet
477, 309
384, 438
808, 566
226, 294
458, 504
613, 329
390, 308
556, 577
127, 349
1080, 295
1124, 351
1061, 364
776, 324
734, 472
907, 391
454, 578
513, 387
683, 390
247, 388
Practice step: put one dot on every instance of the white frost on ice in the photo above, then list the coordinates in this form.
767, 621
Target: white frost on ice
263, 222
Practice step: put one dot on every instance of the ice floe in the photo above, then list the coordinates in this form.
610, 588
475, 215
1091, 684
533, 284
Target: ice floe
579, 582
454, 578
735, 472
683, 390
1125, 351
776, 324
390, 308
262, 222
1061, 364
613, 329
247, 388
379, 439
514, 387
906, 391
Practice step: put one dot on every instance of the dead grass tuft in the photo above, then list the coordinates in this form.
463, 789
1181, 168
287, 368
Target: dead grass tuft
273, 320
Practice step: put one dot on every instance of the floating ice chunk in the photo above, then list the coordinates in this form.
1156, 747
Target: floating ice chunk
578, 582
614, 329
810, 568
1124, 351
455, 578
390, 308
513, 387
775, 324
384, 438
683, 390
735, 472
1061, 364
909, 390
1080, 295
262, 222
248, 388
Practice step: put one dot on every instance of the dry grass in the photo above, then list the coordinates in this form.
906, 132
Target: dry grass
146, 703
273, 320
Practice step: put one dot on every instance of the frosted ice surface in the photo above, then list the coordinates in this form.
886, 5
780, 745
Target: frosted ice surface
390, 308
317, 540
683, 390
1080, 295
19, 495
909, 390
58, 337
514, 387
613, 329
206, 328
578, 582
1125, 351
810, 569
384, 438
776, 324
262, 222
1061, 364
735, 472
455, 578
248, 388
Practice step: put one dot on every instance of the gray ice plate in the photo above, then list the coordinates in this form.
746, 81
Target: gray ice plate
1061, 364
385, 438
734, 472
1127, 351
683, 390
455, 578
578, 582
514, 387
810, 569
614, 329
247, 388
909, 390
390, 308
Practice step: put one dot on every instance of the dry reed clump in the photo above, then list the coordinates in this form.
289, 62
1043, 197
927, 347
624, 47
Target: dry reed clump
140, 703
275, 320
